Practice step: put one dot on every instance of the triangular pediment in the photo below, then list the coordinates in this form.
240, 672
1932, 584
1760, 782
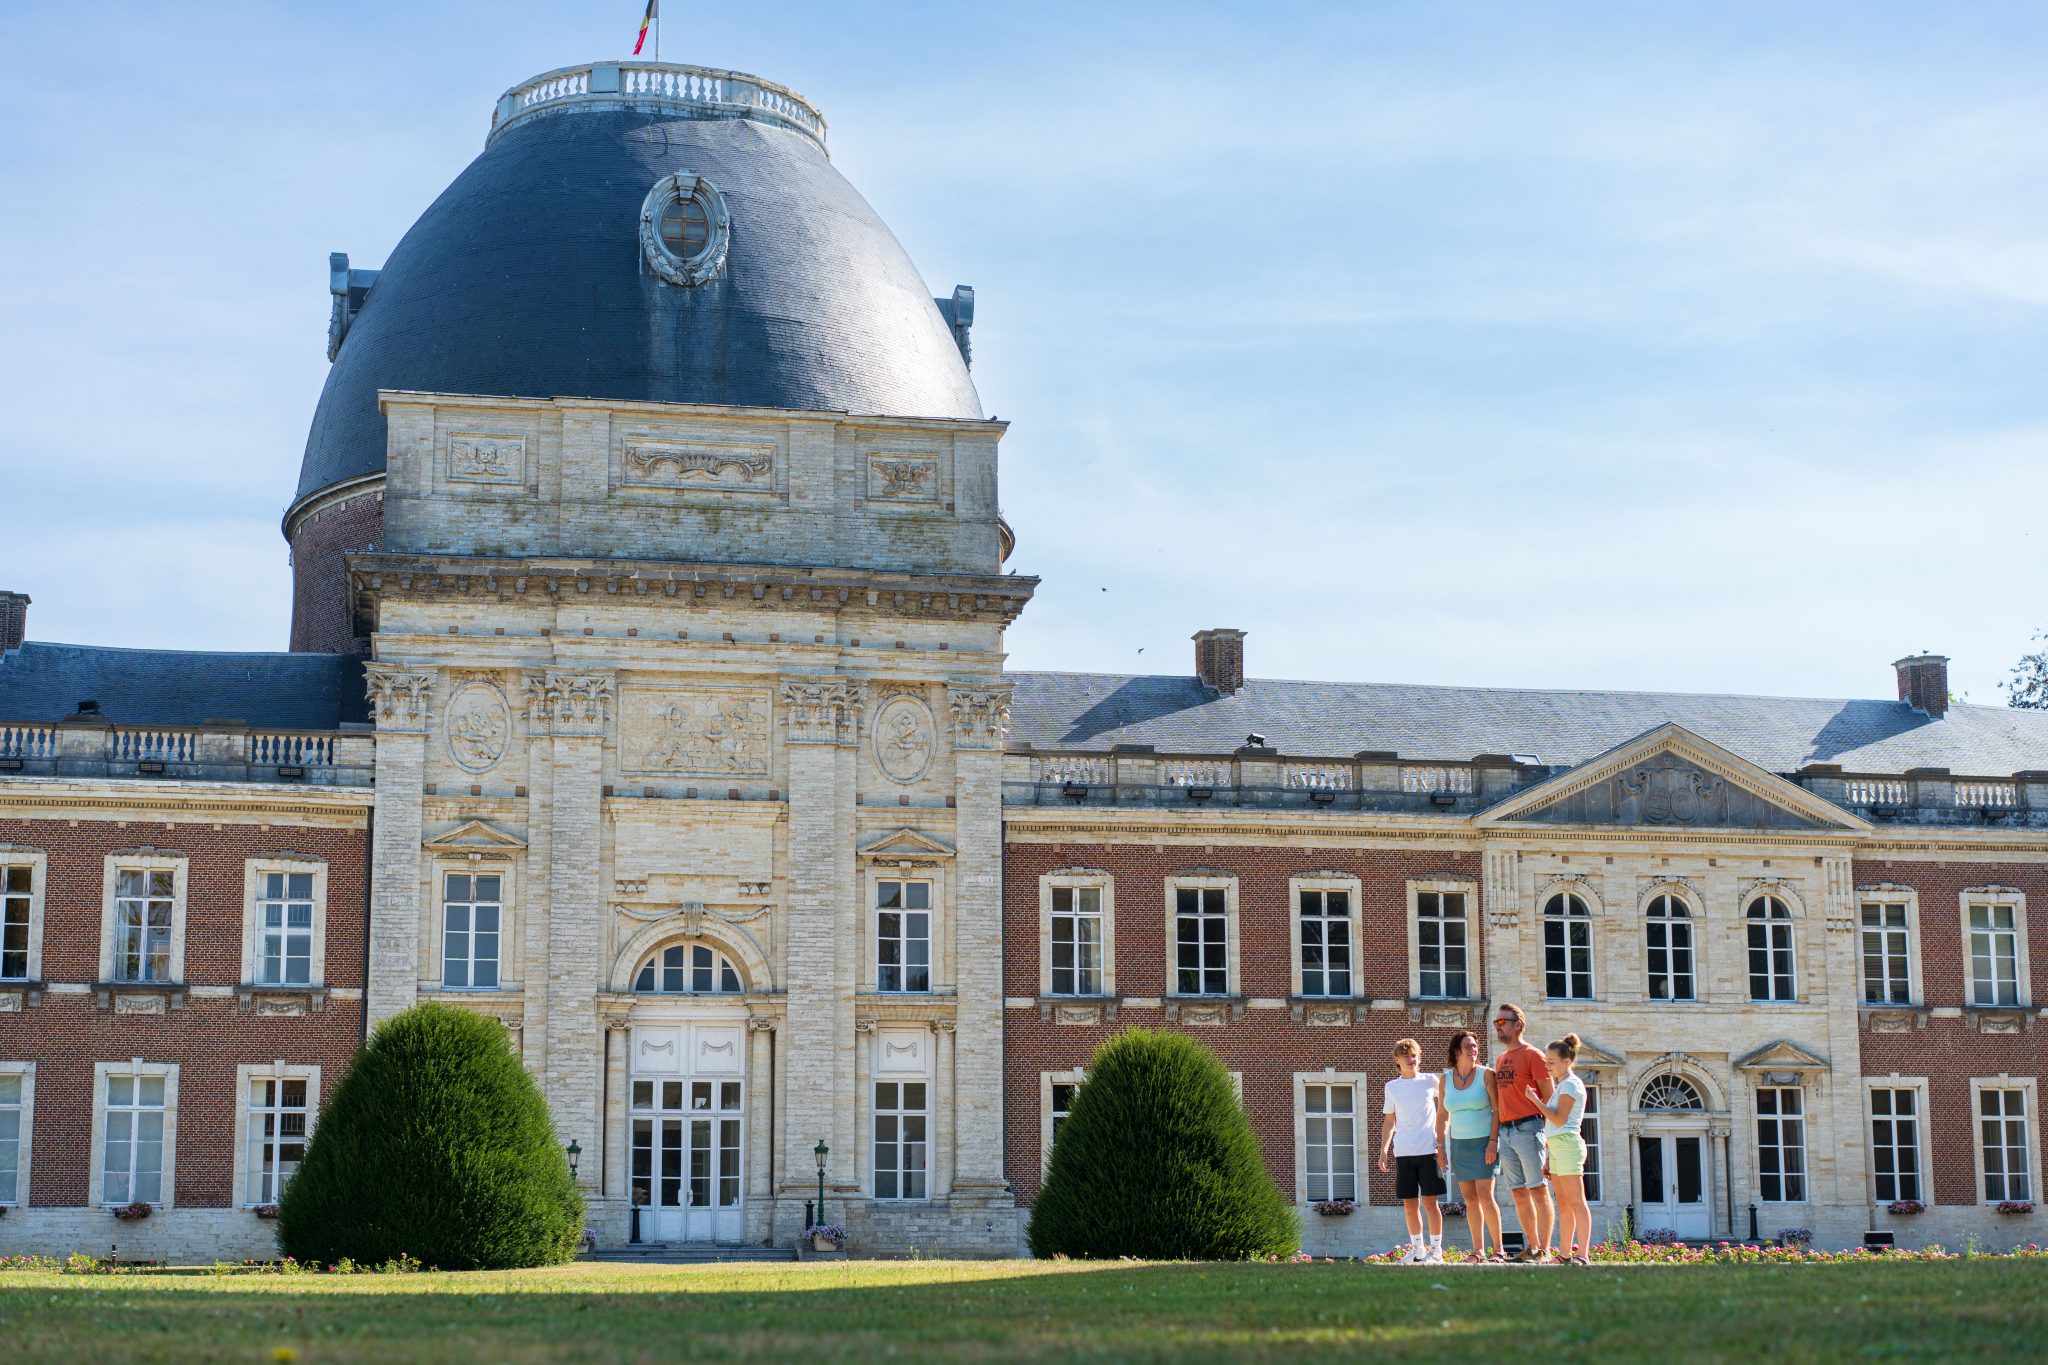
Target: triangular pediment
1593, 1058
906, 844
474, 836
1669, 777
1781, 1056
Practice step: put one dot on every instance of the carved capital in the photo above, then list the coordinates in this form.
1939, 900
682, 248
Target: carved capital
568, 704
822, 710
763, 1024
398, 697
980, 715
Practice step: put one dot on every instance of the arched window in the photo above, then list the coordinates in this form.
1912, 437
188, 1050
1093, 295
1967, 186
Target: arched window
1671, 1092
688, 969
1567, 948
1770, 950
1667, 933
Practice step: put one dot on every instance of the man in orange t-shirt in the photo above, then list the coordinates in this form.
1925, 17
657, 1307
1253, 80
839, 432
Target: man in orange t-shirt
1521, 1132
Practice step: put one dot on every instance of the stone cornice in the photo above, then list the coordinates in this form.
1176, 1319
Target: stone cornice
1054, 824
388, 397
230, 802
937, 597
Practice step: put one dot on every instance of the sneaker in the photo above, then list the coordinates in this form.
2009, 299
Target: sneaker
1543, 1257
1414, 1256
1432, 1257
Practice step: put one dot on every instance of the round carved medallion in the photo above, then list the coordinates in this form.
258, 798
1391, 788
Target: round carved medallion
903, 739
479, 726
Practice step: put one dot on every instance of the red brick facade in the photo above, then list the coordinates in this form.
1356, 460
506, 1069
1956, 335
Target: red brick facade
68, 1030
321, 544
1264, 1044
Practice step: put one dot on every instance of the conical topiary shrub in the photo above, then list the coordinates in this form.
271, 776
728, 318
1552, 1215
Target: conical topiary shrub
437, 1145
1157, 1160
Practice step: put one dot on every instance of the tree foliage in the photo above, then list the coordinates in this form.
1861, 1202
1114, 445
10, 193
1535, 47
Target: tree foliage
1157, 1160
2028, 687
438, 1145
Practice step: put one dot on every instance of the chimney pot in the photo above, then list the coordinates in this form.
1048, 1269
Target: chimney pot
1219, 660
13, 619
1923, 683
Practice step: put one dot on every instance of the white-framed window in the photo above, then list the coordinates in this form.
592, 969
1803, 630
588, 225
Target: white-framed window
687, 969
1888, 975
1771, 974
903, 935
1201, 914
1056, 1093
1667, 938
1567, 948
472, 929
1895, 1134
1325, 916
278, 1107
2005, 1149
1076, 924
17, 1127
21, 914
1994, 932
902, 1145
134, 1132
1441, 923
143, 928
1589, 1133
285, 938
1329, 1140
1781, 1144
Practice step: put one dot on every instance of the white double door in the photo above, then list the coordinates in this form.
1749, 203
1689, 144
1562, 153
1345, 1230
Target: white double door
686, 1132
1671, 1182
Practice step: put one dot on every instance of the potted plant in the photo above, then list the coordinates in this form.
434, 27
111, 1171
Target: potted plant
1905, 1208
1334, 1208
266, 1210
2016, 1206
129, 1213
826, 1237
1795, 1237
1453, 1210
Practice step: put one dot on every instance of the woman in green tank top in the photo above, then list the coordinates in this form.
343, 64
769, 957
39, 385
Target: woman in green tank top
1468, 1117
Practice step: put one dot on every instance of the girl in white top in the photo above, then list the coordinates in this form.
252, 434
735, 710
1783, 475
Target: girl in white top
1565, 1149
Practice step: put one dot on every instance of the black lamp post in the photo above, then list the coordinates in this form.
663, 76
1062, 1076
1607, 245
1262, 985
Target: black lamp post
821, 1151
575, 1153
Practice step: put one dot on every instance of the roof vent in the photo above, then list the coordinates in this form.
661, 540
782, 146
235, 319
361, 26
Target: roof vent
1219, 659
349, 288
1923, 683
958, 312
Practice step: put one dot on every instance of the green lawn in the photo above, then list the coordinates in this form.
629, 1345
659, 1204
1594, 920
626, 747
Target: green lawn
1019, 1310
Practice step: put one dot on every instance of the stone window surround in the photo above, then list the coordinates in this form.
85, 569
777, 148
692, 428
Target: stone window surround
1475, 984
1890, 893
433, 927
1360, 1116
1046, 1081
145, 860
1688, 896
1204, 879
101, 1071
941, 946
24, 1148
38, 864
254, 872
1077, 878
2027, 1086
2022, 974
277, 1070
1808, 1098
1596, 908
1353, 888
1795, 920
1917, 1084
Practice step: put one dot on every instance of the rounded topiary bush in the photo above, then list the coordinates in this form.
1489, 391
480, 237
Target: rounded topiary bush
1156, 1159
437, 1145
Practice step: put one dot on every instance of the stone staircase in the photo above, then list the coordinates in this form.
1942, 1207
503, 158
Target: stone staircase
687, 1253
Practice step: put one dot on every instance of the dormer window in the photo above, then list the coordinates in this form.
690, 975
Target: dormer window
685, 228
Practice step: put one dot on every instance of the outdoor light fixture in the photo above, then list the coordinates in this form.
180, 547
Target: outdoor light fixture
1075, 791
821, 1151
1322, 796
575, 1154
1200, 793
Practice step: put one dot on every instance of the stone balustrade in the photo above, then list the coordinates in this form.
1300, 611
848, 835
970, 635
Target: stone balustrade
691, 90
206, 753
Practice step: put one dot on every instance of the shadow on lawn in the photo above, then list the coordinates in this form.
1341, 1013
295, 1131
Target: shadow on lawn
1970, 1310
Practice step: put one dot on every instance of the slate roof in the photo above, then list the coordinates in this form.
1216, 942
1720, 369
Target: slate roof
525, 279
1096, 711
43, 682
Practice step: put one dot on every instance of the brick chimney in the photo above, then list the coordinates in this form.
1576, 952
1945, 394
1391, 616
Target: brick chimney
1923, 683
1219, 659
13, 619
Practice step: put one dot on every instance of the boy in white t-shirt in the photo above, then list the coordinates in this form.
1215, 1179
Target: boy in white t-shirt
1410, 1132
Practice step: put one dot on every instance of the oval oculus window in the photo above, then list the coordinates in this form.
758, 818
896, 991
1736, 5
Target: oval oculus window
684, 229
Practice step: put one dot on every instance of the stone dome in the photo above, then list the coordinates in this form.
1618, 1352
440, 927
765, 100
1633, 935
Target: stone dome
527, 277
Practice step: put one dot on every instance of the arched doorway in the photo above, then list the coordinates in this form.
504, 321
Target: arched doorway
687, 1096
1673, 1169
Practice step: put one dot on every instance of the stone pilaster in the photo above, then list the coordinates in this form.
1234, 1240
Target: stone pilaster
979, 714
399, 703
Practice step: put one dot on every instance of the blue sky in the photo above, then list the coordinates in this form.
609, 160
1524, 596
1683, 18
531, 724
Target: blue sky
1531, 344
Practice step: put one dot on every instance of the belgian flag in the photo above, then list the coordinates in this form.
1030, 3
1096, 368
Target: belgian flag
653, 9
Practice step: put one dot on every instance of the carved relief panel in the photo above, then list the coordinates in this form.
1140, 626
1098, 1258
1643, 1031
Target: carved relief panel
479, 722
695, 731
478, 457
1667, 791
716, 463
903, 476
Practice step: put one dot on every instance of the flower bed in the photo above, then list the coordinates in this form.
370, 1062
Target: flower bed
1728, 1253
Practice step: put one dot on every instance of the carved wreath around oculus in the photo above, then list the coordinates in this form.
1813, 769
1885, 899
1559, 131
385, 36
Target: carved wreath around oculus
705, 265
